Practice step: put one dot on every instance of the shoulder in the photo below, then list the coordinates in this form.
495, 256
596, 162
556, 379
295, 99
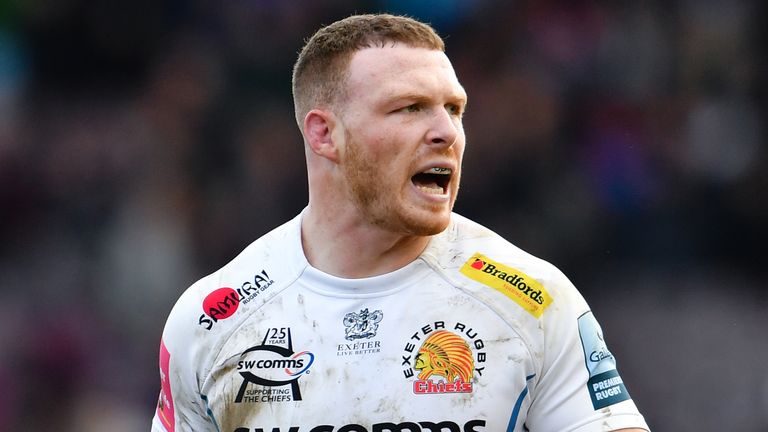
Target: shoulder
210, 309
464, 237
516, 284
533, 297
473, 254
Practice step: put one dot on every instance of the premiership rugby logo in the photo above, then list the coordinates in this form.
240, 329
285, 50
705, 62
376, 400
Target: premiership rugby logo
516, 285
605, 385
442, 360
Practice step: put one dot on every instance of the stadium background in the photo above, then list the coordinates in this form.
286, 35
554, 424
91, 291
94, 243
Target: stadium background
144, 143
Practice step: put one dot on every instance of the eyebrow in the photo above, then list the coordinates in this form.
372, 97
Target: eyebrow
394, 96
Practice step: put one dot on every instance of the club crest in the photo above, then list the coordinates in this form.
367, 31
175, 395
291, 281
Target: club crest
362, 325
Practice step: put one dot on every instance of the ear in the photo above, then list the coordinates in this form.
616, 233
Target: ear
319, 129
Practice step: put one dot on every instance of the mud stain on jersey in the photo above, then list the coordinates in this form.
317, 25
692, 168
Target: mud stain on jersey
329, 374
226, 382
300, 302
463, 401
457, 300
389, 407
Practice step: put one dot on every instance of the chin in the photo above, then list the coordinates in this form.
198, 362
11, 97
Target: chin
428, 224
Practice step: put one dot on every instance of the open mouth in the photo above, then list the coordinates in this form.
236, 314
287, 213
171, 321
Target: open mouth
433, 181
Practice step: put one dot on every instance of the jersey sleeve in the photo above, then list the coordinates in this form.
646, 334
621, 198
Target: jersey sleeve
580, 388
181, 407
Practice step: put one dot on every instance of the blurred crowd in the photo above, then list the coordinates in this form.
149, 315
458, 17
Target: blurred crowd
144, 143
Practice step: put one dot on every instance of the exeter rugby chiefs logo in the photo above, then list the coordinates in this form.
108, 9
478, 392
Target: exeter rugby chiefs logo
445, 361
273, 367
447, 355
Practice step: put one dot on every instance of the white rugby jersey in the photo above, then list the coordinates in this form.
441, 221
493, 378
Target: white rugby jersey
475, 335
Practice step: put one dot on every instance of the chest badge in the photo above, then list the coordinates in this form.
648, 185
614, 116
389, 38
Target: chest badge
362, 325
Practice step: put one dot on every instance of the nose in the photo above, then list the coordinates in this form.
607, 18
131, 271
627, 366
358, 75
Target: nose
444, 128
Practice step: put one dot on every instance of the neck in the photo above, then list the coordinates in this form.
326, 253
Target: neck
345, 246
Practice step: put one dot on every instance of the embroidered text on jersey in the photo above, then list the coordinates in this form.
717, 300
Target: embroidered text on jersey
518, 286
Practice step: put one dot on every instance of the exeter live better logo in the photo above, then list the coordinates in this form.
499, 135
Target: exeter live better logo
359, 330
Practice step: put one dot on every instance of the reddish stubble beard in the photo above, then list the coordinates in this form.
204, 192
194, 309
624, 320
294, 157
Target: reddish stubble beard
378, 195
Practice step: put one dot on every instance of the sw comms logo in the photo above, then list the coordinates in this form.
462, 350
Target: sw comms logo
445, 361
516, 285
272, 367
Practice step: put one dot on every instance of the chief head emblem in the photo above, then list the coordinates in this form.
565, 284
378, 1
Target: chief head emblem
445, 354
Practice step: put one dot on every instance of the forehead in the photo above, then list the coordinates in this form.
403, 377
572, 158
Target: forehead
392, 70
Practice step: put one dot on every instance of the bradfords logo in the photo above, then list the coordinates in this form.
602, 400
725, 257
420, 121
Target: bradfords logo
271, 367
223, 302
518, 286
444, 359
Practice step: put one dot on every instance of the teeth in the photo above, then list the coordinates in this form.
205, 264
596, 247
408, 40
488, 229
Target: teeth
432, 190
437, 170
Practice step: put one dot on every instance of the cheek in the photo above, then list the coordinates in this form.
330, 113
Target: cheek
461, 142
387, 152
459, 148
387, 142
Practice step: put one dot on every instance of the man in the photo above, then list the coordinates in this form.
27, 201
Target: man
377, 308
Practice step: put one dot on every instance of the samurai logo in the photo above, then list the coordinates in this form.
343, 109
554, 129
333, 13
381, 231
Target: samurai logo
362, 325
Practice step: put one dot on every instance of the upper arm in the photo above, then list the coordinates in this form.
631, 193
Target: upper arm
180, 407
579, 378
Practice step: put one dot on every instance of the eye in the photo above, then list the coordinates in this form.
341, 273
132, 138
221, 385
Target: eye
412, 108
454, 109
